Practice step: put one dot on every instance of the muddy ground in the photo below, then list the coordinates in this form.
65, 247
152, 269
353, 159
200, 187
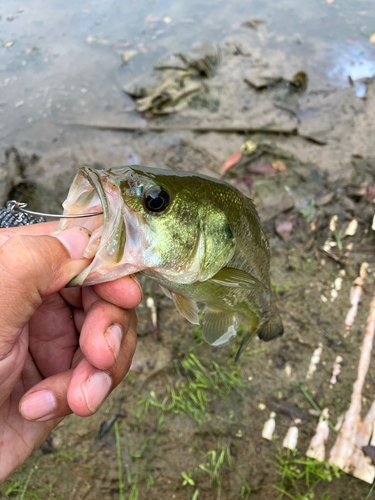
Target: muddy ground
189, 419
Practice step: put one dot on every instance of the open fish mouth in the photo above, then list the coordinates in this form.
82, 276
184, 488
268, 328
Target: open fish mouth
93, 191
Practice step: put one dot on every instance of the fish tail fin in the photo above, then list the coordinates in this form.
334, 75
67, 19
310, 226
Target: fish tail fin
270, 329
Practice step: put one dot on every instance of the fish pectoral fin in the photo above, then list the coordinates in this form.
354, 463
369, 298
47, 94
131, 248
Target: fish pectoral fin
218, 326
236, 278
186, 307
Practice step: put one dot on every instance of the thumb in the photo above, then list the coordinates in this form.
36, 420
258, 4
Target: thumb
31, 268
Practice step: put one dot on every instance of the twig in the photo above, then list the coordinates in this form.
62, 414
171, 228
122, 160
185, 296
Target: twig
199, 128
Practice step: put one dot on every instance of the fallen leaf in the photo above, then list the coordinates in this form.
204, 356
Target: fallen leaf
167, 20
9, 44
371, 192
283, 227
372, 38
152, 18
262, 168
122, 44
244, 184
248, 147
232, 160
330, 1
28, 51
253, 23
288, 409
126, 56
92, 40
279, 166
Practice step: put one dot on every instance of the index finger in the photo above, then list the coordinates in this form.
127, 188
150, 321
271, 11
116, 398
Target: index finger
32, 229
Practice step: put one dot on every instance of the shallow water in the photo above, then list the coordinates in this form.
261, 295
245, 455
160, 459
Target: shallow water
60, 61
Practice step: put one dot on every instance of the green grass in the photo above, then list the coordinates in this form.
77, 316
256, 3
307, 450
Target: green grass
300, 476
216, 464
119, 464
196, 385
20, 487
308, 213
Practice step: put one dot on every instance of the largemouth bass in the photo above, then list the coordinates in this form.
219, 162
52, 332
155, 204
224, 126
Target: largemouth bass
198, 237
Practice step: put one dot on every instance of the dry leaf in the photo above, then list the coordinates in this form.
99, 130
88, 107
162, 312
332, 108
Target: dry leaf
232, 160
262, 168
283, 227
279, 166
330, 1
244, 184
92, 40
126, 56
9, 44
372, 38
248, 147
371, 192
167, 20
122, 44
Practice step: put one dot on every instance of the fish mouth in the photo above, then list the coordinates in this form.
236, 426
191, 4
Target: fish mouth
93, 191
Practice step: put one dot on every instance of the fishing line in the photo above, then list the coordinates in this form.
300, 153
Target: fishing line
15, 206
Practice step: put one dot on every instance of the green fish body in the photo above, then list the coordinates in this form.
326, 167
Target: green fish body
198, 237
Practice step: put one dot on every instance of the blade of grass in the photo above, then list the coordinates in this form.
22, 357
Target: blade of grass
119, 465
316, 407
23, 492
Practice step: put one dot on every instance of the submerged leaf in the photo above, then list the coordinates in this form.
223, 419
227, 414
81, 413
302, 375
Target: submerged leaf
279, 166
262, 168
283, 227
232, 160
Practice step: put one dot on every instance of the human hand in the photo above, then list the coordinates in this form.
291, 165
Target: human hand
62, 350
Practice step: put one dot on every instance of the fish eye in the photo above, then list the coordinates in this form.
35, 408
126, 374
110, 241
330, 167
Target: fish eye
156, 199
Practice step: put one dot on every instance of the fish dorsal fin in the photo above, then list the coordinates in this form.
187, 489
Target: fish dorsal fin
216, 242
218, 326
237, 279
186, 307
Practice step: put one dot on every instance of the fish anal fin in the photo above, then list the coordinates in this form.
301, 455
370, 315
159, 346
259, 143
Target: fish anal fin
186, 307
237, 279
218, 326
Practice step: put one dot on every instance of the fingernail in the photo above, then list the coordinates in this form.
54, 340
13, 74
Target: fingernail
75, 240
113, 336
38, 404
95, 389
